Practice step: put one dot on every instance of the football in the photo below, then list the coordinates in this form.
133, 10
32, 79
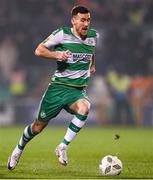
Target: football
110, 166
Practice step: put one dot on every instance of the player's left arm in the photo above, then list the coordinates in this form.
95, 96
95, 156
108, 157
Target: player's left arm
92, 66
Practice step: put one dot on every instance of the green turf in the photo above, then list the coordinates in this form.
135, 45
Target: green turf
134, 148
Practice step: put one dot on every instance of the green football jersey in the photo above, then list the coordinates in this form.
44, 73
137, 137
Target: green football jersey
75, 71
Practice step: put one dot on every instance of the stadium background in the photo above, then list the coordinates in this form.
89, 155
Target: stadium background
120, 92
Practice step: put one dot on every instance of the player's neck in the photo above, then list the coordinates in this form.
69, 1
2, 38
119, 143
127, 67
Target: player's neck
77, 35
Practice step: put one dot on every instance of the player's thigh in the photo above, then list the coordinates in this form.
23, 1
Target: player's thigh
77, 102
50, 105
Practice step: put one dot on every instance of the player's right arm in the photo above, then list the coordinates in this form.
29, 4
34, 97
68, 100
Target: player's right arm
54, 39
43, 51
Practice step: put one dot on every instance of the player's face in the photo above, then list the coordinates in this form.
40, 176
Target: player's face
81, 23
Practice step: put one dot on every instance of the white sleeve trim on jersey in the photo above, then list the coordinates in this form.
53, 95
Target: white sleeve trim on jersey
54, 40
97, 35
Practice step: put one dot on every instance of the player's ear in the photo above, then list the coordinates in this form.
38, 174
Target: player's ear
72, 20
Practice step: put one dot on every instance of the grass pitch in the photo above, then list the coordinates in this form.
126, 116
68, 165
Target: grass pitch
134, 148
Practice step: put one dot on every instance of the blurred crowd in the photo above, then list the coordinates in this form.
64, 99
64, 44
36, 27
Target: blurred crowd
121, 99
125, 46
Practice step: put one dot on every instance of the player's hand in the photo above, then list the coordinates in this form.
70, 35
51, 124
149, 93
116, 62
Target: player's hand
92, 70
63, 56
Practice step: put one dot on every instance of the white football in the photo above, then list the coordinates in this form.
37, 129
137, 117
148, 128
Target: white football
110, 166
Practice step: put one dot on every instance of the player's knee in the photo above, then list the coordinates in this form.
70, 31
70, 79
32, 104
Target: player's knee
84, 108
38, 126
37, 130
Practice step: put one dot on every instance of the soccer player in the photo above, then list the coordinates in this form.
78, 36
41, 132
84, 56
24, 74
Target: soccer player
73, 49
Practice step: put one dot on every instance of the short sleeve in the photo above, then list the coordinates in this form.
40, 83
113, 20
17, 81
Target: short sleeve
54, 39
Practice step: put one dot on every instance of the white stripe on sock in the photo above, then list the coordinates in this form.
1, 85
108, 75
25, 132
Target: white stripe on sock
26, 132
69, 136
78, 122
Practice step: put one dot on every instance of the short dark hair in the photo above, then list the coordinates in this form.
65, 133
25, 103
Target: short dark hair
79, 9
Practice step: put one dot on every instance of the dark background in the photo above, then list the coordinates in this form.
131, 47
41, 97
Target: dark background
125, 45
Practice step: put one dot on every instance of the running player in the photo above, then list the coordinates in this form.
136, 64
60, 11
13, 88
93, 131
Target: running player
73, 49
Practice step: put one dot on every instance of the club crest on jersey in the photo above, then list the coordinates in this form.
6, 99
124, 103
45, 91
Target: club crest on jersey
90, 42
42, 114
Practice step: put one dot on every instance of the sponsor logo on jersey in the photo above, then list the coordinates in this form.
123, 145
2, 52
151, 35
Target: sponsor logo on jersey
81, 57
